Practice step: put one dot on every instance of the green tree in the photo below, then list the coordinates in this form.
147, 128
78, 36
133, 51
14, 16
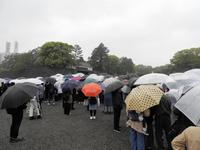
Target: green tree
17, 62
186, 59
56, 54
166, 69
78, 54
99, 58
126, 66
142, 69
112, 64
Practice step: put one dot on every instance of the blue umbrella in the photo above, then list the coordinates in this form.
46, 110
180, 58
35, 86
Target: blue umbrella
70, 85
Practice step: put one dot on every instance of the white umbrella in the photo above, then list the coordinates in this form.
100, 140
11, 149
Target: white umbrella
189, 104
30, 80
154, 78
78, 75
126, 89
184, 79
98, 78
2, 80
193, 71
58, 77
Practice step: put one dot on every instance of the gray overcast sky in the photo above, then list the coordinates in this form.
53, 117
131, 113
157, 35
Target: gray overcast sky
148, 31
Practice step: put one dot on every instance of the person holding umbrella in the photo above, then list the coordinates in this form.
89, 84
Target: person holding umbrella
93, 103
14, 100
67, 101
117, 101
92, 90
17, 116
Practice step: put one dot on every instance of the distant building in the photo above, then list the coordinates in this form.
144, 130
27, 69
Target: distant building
84, 67
16, 47
7, 52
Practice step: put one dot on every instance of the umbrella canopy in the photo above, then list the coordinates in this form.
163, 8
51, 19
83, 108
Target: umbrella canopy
67, 77
143, 97
79, 75
131, 81
189, 105
98, 78
90, 80
30, 80
193, 71
111, 84
153, 78
91, 89
184, 79
126, 89
70, 85
76, 78
2, 80
50, 80
18, 94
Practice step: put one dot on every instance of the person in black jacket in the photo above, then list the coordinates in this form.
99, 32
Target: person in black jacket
163, 119
179, 125
117, 100
67, 102
17, 116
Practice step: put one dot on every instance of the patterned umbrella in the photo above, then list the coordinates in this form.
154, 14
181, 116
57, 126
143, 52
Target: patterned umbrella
143, 97
111, 84
91, 89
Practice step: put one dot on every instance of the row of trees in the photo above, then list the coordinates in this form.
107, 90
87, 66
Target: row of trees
65, 56
58, 55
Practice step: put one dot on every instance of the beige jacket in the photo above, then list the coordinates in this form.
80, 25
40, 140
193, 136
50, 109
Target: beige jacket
189, 139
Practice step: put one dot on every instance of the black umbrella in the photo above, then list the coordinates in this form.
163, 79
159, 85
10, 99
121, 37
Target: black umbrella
18, 94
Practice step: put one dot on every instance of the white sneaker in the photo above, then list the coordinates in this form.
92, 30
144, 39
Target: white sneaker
91, 117
94, 117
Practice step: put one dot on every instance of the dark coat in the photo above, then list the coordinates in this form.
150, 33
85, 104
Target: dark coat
16, 110
164, 106
117, 99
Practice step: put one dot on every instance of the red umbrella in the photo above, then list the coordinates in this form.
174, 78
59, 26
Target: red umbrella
91, 89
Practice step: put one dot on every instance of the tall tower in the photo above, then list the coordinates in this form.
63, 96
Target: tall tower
7, 52
16, 47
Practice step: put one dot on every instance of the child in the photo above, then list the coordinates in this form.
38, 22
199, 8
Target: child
34, 108
93, 102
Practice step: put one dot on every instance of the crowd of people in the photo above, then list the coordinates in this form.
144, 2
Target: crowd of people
161, 127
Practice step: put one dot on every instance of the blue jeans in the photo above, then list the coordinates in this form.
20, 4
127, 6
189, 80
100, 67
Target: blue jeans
136, 140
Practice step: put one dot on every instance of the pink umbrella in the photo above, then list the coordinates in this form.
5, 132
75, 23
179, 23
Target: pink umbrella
76, 78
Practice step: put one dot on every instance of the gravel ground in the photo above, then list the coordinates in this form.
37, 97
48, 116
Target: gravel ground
56, 131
